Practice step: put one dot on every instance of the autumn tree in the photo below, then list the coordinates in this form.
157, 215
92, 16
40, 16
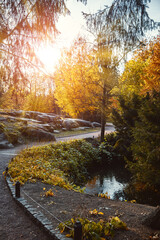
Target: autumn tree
140, 77
24, 25
141, 74
84, 81
75, 72
151, 55
119, 27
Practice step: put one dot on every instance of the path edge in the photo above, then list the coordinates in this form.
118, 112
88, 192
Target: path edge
37, 217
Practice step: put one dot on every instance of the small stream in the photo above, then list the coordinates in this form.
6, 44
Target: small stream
111, 180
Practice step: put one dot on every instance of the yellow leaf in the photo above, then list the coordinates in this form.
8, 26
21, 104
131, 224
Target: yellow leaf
68, 235
100, 213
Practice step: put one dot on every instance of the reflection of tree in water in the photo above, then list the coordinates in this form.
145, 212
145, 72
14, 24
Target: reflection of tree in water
114, 175
92, 182
120, 173
119, 195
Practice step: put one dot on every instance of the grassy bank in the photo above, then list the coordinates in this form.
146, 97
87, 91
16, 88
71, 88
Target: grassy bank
76, 132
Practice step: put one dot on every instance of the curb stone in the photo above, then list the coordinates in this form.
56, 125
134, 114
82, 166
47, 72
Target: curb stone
36, 216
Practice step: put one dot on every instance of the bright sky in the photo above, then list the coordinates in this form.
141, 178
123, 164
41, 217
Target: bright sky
71, 26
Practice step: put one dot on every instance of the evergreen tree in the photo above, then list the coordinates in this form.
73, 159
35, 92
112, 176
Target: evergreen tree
146, 143
124, 121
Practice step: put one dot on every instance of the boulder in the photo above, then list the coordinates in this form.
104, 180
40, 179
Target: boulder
15, 113
83, 123
45, 127
70, 123
38, 134
44, 118
15, 126
96, 124
30, 114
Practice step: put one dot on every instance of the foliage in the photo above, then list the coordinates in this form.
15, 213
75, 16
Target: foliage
24, 26
124, 122
109, 149
12, 131
141, 74
137, 122
95, 212
93, 230
49, 193
151, 55
63, 164
132, 81
104, 195
138, 136
123, 24
75, 79
86, 79
40, 103
139, 77
145, 144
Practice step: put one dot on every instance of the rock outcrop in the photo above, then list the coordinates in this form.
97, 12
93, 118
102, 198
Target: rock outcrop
17, 127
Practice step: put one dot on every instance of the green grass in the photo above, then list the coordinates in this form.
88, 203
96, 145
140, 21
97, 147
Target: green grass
76, 132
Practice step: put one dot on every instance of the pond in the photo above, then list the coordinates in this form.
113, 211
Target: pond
110, 180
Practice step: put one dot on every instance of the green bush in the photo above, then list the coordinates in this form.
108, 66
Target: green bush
146, 143
109, 150
60, 163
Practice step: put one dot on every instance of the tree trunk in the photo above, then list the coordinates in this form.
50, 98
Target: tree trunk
103, 123
103, 115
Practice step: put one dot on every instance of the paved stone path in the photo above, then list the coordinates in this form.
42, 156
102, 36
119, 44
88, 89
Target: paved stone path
14, 223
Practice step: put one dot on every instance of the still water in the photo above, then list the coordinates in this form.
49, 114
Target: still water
112, 181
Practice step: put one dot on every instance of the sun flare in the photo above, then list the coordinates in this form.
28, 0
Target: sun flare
49, 56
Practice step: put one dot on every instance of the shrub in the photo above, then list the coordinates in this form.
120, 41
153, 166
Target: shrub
109, 150
63, 164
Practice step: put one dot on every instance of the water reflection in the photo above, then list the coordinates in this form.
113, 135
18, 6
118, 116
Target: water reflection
112, 181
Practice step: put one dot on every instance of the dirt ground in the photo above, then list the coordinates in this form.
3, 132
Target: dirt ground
67, 204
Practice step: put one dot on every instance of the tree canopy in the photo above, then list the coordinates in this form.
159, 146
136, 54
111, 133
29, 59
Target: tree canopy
35, 18
124, 23
24, 25
85, 78
141, 74
137, 121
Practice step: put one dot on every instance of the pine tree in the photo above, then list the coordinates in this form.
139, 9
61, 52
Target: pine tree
124, 121
146, 143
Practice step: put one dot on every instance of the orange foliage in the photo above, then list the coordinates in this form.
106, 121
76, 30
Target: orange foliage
150, 55
142, 72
